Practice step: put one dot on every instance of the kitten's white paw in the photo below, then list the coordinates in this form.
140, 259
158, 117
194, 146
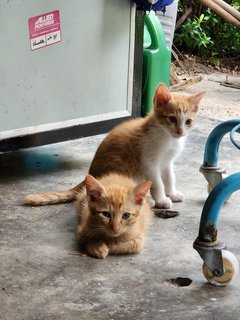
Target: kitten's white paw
177, 196
164, 203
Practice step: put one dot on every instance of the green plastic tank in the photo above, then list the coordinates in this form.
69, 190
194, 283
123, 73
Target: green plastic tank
156, 60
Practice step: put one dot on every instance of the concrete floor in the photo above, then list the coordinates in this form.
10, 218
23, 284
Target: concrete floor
41, 276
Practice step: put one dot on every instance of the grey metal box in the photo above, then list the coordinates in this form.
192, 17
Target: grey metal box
85, 78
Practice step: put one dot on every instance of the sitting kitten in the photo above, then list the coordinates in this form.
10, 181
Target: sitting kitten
142, 149
113, 215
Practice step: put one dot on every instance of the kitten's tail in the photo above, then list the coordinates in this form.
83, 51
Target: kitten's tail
41, 199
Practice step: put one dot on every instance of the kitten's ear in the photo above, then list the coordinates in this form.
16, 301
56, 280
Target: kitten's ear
195, 101
95, 191
140, 192
162, 96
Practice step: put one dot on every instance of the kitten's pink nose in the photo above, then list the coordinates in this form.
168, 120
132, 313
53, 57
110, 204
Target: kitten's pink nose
115, 228
180, 131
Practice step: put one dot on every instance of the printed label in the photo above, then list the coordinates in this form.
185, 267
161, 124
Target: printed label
44, 30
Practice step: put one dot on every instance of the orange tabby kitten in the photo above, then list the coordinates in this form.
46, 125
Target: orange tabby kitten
113, 215
143, 149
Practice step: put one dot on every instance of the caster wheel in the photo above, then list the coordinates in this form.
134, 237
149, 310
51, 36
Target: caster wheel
230, 267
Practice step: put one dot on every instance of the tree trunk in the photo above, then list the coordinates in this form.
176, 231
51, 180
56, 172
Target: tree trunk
183, 17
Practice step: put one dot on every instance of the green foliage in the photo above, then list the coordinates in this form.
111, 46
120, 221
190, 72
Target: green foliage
192, 34
208, 35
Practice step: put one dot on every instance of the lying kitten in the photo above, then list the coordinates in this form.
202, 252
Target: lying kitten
113, 215
142, 149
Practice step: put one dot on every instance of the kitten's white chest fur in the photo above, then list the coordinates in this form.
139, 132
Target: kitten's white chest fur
160, 149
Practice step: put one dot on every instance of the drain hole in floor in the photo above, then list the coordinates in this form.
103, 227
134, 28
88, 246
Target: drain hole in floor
179, 282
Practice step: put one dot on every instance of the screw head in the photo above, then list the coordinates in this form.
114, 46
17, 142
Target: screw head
217, 272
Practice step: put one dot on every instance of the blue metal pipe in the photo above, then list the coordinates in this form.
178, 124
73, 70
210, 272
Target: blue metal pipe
235, 129
213, 205
214, 139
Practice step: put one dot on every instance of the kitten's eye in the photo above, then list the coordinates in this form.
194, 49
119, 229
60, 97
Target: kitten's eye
188, 122
173, 119
106, 214
126, 215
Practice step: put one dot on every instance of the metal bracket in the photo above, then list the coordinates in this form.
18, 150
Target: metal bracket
211, 254
213, 175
